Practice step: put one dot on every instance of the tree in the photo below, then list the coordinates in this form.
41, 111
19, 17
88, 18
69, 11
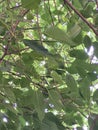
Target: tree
48, 65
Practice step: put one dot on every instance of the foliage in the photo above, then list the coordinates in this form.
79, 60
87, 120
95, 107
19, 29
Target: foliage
48, 74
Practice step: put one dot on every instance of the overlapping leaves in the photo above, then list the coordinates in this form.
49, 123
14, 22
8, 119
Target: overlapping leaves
47, 75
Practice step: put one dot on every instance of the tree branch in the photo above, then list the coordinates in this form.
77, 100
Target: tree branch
81, 16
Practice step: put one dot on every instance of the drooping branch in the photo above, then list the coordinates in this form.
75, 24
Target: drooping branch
81, 16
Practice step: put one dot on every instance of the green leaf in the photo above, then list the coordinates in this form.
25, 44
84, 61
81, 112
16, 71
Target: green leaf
11, 108
24, 82
85, 89
77, 4
46, 73
92, 76
74, 31
51, 117
22, 121
30, 4
49, 125
78, 39
83, 2
10, 95
71, 83
39, 104
59, 35
87, 12
33, 44
87, 41
56, 77
84, 65
30, 16
2, 30
80, 54
55, 98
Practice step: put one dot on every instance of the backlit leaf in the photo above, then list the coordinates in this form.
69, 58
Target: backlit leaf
74, 31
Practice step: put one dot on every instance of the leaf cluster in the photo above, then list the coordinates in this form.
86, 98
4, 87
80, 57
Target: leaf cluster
48, 65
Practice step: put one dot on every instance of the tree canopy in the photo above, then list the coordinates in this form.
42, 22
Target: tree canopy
48, 65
